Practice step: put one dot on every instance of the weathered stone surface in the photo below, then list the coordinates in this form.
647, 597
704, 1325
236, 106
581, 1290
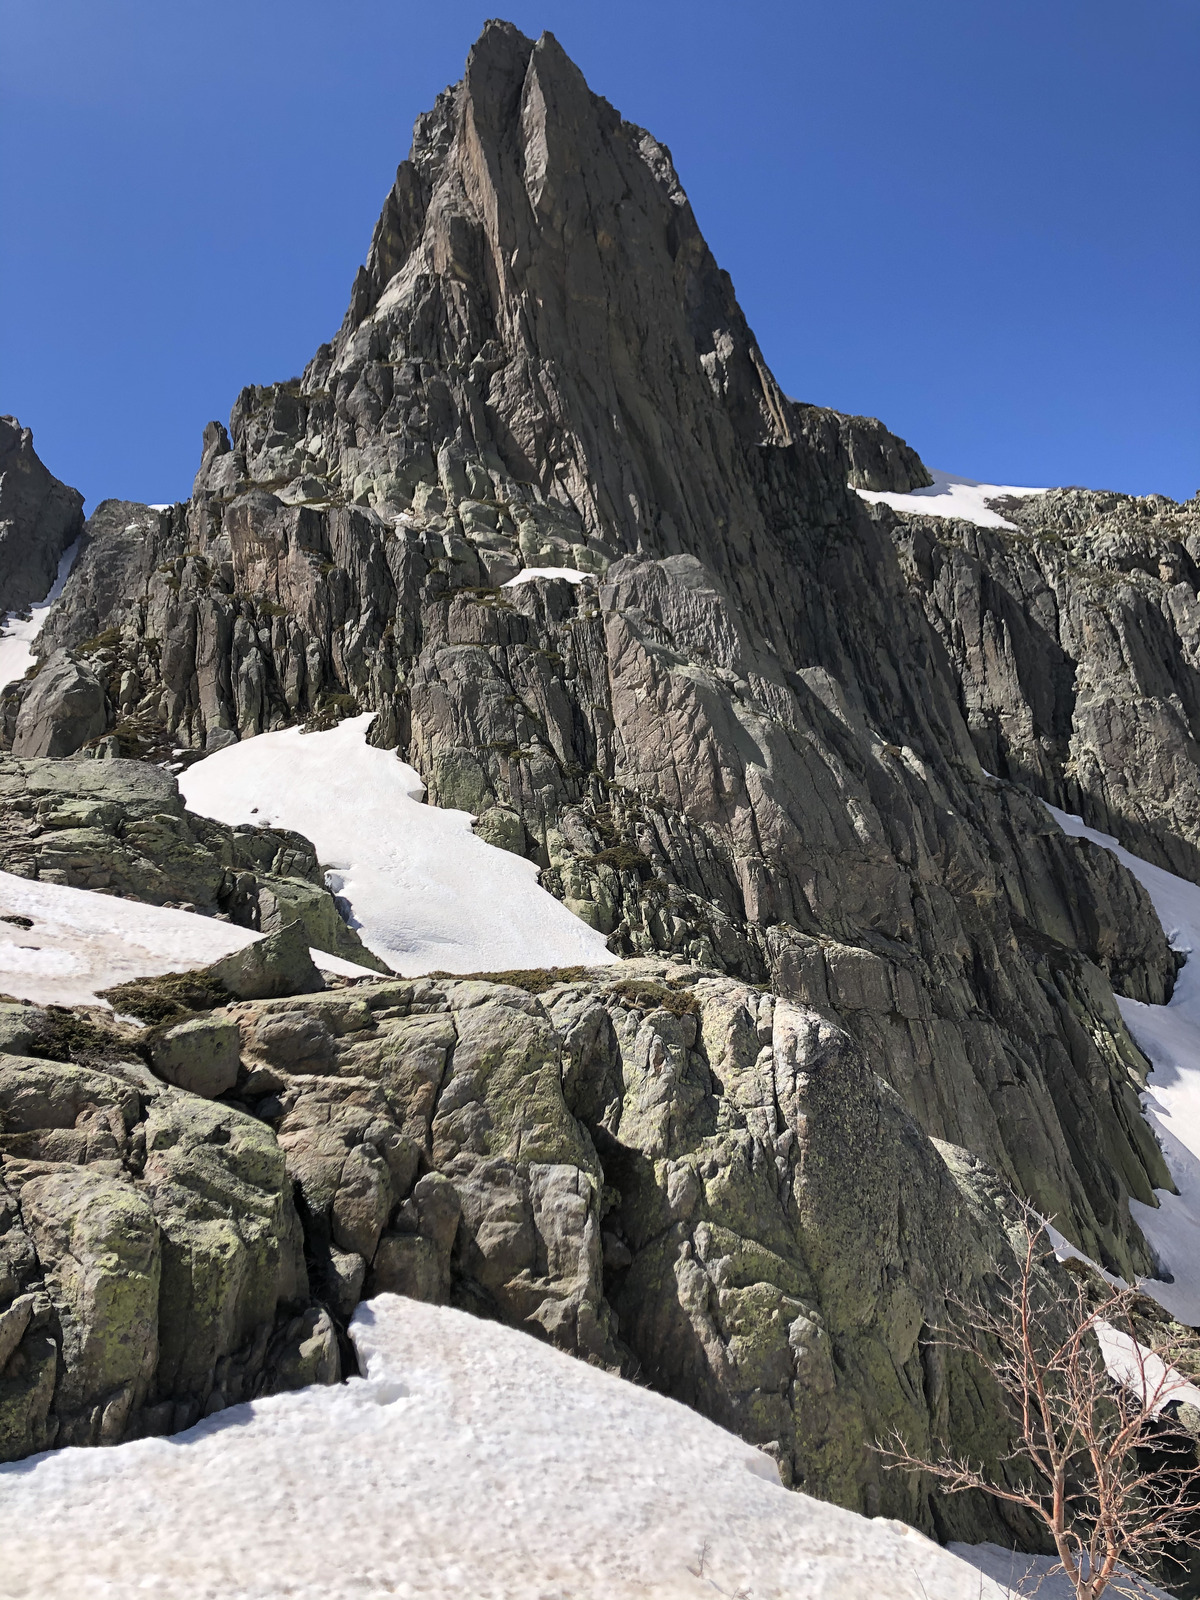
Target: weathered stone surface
201, 1055
64, 708
39, 519
277, 965
1073, 639
151, 1258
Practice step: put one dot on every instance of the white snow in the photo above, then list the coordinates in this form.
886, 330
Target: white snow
570, 574
1170, 1038
1028, 1575
426, 894
951, 496
473, 1461
1141, 1371
17, 633
82, 941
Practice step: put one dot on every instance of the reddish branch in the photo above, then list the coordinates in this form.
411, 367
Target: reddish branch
1114, 1480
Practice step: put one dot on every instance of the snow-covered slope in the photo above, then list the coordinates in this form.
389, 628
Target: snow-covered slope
17, 633
426, 894
471, 1461
951, 497
1170, 1037
80, 941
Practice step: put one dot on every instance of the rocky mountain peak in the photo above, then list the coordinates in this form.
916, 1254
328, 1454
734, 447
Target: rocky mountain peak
540, 321
39, 519
540, 507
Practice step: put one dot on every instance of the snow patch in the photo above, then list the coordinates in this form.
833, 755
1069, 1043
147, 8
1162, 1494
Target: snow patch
1142, 1372
527, 574
17, 633
1020, 1574
426, 894
470, 1460
1169, 1036
82, 941
950, 496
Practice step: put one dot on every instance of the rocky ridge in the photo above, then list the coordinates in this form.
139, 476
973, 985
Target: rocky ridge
869, 985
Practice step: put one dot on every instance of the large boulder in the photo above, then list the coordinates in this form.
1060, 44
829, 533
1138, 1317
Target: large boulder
64, 708
151, 1257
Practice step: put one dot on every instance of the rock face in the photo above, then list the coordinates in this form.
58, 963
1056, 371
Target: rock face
39, 519
1075, 639
870, 990
151, 1258
653, 1166
64, 708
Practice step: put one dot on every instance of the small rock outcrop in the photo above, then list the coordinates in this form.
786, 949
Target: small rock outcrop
151, 1258
40, 518
120, 826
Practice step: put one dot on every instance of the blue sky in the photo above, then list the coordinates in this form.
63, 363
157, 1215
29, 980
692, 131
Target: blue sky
975, 220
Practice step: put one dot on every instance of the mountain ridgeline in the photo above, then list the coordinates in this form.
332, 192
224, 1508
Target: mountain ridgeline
871, 984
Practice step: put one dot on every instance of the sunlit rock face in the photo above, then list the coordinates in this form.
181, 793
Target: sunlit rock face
739, 734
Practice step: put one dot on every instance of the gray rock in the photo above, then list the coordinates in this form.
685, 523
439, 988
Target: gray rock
200, 1055
65, 707
276, 965
39, 519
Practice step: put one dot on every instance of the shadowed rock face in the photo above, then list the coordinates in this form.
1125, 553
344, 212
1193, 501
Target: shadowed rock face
1075, 639
740, 742
39, 518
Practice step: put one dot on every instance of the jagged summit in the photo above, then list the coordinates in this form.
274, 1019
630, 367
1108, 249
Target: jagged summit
538, 300
740, 741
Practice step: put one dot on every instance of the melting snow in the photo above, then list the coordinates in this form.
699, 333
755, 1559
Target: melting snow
570, 574
18, 633
82, 941
427, 895
952, 497
1028, 1575
1170, 1037
471, 1460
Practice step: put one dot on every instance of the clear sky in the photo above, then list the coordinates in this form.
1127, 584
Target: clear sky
976, 219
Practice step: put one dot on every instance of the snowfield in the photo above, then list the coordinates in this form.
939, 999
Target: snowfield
472, 1460
1169, 1036
17, 633
951, 497
426, 894
568, 574
81, 941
